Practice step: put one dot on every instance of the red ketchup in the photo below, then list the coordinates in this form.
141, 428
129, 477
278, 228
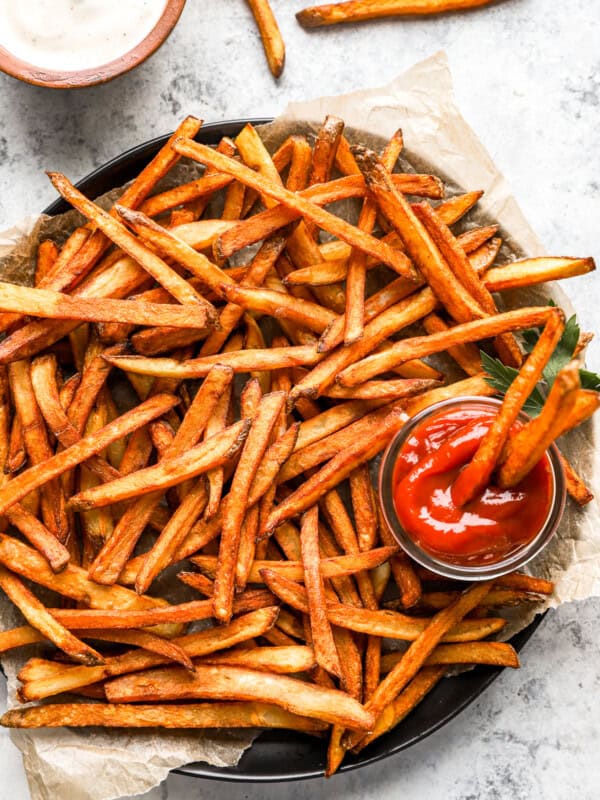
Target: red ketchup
489, 528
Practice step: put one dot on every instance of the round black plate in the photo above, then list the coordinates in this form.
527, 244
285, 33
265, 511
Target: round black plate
282, 755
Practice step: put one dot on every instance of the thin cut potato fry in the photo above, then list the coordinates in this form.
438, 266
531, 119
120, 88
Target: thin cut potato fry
168, 472
497, 654
195, 645
270, 35
477, 473
53, 305
275, 456
239, 361
302, 312
47, 253
388, 624
324, 645
576, 486
364, 507
238, 683
527, 446
189, 715
536, 270
283, 660
466, 355
258, 438
55, 552
333, 567
40, 618
360, 10
38, 475
313, 213
420, 346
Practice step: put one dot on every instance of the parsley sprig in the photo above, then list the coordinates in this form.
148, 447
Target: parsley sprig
500, 377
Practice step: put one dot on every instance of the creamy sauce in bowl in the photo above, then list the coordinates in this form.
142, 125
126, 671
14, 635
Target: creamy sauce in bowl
71, 35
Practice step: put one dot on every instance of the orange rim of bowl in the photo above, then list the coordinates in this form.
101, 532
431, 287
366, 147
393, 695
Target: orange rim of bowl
74, 79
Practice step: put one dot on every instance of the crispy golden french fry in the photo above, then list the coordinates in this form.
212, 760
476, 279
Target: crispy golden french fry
421, 648
252, 453
497, 654
326, 653
283, 660
37, 444
239, 361
426, 345
168, 472
47, 253
54, 305
457, 260
357, 262
275, 456
55, 552
495, 598
190, 716
235, 683
388, 624
296, 202
41, 619
333, 419
118, 233
333, 567
360, 10
526, 583
576, 486
276, 304
382, 390
335, 471
407, 700
530, 271
527, 446
270, 35
91, 445
194, 644
185, 193
364, 507
477, 473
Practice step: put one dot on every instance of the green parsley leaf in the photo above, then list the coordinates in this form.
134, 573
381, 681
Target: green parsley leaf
589, 380
500, 377
563, 353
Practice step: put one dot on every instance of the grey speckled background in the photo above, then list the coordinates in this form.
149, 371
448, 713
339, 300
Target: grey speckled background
527, 75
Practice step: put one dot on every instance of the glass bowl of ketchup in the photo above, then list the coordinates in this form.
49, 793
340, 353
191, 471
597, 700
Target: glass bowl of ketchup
497, 532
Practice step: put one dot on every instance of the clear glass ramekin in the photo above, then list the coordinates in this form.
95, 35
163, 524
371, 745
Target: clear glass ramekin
447, 569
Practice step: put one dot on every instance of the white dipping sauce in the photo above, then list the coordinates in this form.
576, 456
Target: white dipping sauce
75, 34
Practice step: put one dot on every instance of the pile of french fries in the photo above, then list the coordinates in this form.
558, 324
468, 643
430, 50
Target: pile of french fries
160, 407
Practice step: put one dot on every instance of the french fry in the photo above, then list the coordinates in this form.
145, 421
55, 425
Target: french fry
54, 305
360, 10
324, 646
38, 447
333, 419
47, 254
38, 475
189, 716
185, 193
427, 345
17, 455
55, 553
457, 260
239, 361
234, 683
333, 567
275, 456
498, 654
296, 202
270, 35
527, 446
252, 453
40, 619
170, 471
194, 644
387, 624
357, 262
477, 473
282, 660
363, 506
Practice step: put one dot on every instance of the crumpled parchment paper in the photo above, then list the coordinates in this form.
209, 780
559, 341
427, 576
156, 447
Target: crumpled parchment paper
97, 764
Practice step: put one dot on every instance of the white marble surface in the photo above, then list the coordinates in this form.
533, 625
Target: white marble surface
527, 75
